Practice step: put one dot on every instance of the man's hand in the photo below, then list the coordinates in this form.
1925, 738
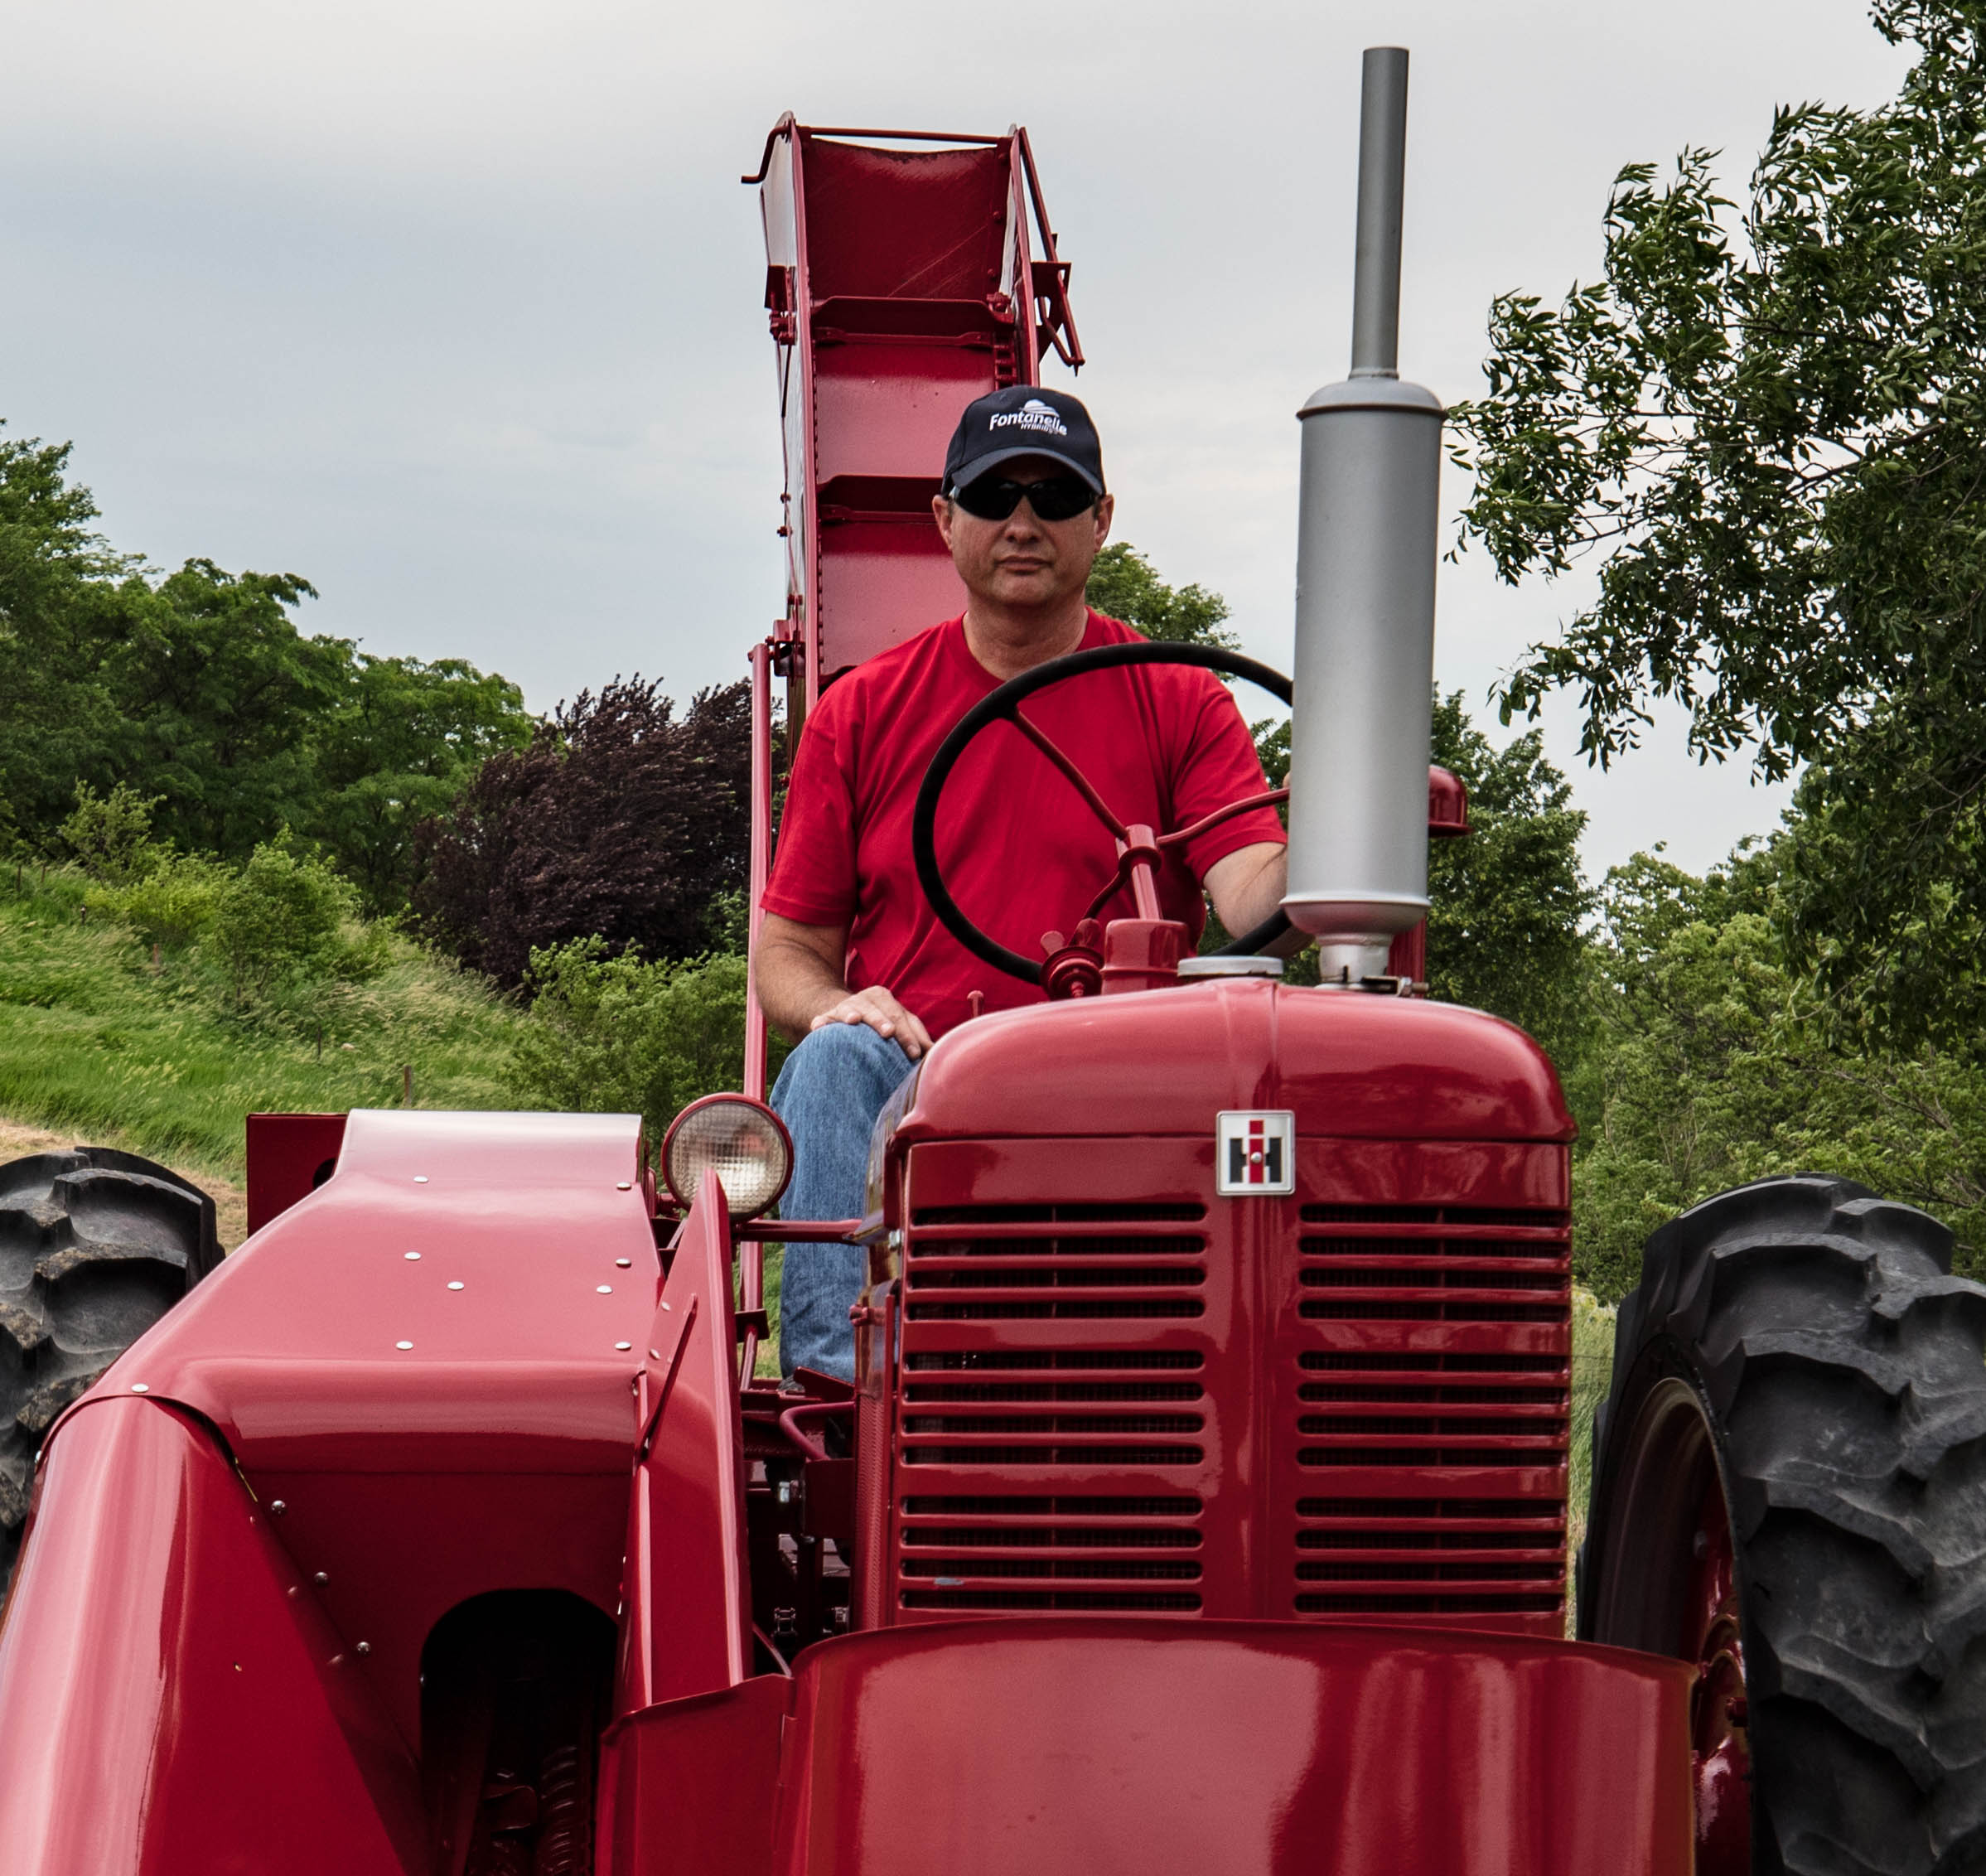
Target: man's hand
800, 982
876, 1007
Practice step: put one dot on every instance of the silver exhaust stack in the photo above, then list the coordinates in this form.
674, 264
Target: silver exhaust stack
1366, 543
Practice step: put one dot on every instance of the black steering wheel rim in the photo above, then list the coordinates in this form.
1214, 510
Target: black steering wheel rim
1000, 705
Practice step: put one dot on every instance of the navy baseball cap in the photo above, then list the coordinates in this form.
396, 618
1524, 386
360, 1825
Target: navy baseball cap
1023, 420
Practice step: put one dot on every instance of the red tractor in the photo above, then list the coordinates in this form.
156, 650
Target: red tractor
1201, 1501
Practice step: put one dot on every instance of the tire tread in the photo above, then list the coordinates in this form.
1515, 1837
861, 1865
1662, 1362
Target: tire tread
95, 1245
1846, 1369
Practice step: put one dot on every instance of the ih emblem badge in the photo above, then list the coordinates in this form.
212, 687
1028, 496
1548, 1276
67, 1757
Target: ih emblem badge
1255, 1154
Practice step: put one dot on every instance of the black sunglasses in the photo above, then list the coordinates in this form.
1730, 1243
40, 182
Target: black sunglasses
1056, 498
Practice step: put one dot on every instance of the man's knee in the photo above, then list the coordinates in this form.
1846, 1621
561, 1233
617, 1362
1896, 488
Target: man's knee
839, 1053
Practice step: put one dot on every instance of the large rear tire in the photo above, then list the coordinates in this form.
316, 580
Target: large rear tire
95, 1245
1789, 1488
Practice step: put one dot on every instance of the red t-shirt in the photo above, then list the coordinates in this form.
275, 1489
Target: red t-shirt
1022, 853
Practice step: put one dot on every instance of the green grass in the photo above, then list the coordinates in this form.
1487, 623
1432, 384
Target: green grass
1592, 1372
95, 1040
766, 1367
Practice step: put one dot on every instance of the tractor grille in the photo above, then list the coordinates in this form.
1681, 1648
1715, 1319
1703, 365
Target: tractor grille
996, 1413
1429, 1435
1274, 1409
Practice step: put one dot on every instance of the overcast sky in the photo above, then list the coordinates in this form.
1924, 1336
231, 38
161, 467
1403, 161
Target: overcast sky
454, 308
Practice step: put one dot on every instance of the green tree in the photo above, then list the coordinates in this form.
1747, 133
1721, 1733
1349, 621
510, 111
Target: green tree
1713, 1062
197, 691
398, 746
111, 834
1124, 585
1508, 899
59, 606
220, 692
1771, 413
196, 686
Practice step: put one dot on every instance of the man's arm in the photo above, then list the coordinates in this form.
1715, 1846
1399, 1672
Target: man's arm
799, 980
1247, 885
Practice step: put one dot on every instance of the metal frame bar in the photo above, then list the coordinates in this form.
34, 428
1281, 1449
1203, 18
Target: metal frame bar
761, 864
1179, 835
1061, 319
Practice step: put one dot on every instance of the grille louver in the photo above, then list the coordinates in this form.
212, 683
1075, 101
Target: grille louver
1013, 1263
1420, 1421
993, 1409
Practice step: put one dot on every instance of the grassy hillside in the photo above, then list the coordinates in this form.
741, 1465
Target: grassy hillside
97, 1041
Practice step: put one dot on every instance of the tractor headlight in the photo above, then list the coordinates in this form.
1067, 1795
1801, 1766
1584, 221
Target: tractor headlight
741, 1140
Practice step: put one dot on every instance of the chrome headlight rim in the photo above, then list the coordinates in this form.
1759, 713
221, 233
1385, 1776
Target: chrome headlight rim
758, 1109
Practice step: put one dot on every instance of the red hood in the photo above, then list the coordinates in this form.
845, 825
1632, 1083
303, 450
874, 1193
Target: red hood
1350, 1065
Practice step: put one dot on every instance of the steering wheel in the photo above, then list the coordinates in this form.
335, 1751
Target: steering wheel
1004, 705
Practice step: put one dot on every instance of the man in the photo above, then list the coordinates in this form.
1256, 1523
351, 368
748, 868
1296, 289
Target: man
852, 963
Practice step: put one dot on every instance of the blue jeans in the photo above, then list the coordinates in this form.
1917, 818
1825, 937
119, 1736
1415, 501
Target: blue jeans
829, 1093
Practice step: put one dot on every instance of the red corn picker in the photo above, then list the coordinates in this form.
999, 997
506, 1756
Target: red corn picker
1200, 1502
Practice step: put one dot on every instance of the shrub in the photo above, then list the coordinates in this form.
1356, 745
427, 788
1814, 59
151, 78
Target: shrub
111, 834
616, 1035
174, 903
619, 822
284, 916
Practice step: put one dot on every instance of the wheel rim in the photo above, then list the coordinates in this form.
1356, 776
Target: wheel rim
1669, 1587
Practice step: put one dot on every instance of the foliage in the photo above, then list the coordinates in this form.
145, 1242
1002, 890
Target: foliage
282, 916
1508, 899
94, 1038
1771, 412
619, 822
1124, 585
613, 1034
111, 834
197, 691
403, 740
217, 692
59, 588
1592, 1374
1716, 1063
172, 901
1882, 901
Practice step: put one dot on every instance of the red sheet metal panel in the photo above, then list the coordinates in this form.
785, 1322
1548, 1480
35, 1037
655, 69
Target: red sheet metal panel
430, 1362
290, 1155
1050, 1752
1064, 1748
687, 1626
172, 1700
1356, 1066
691, 1786
888, 223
